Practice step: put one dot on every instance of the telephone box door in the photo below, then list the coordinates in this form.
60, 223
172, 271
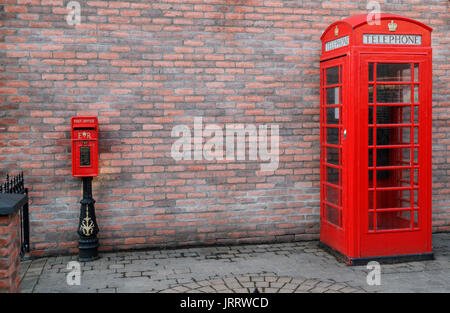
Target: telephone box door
333, 182
394, 146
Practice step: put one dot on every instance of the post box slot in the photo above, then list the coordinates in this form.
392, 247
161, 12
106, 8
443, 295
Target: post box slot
85, 156
84, 128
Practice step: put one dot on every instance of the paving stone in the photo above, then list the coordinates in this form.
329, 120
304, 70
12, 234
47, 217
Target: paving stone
304, 288
262, 284
206, 289
318, 290
270, 278
133, 274
181, 288
234, 286
290, 286
288, 267
220, 287
336, 286
193, 285
248, 284
284, 279
347, 290
285, 290
28, 283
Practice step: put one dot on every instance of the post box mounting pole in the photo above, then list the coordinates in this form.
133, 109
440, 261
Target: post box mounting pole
87, 228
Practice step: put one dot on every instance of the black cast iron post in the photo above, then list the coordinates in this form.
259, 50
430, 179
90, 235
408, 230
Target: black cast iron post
87, 228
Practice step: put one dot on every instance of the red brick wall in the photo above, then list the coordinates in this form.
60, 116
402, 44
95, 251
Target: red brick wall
10, 253
145, 66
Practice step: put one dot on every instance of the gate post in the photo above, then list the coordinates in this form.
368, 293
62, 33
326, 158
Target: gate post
10, 241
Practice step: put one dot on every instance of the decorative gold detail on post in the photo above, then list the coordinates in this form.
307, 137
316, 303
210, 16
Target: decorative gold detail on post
87, 226
336, 31
392, 26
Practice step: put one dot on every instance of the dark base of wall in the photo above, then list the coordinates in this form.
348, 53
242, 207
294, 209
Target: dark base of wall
177, 245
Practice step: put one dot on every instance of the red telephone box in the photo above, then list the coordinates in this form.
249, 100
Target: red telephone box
84, 146
376, 139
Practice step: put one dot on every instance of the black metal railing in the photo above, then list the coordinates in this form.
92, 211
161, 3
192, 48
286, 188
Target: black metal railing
16, 184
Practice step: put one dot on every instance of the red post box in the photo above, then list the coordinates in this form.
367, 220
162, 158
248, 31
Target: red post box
84, 146
376, 139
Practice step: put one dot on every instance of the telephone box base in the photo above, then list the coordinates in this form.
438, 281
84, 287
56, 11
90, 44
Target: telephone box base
390, 259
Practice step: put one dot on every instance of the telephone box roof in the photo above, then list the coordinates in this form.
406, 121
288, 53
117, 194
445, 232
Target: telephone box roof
358, 20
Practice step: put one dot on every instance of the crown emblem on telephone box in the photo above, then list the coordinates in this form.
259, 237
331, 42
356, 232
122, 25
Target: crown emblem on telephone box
392, 26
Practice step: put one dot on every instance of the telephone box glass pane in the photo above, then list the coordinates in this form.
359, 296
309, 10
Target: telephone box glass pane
333, 135
393, 93
333, 115
416, 115
416, 198
333, 215
333, 95
416, 177
406, 175
393, 220
332, 155
371, 220
393, 136
416, 94
416, 135
333, 175
416, 72
416, 156
393, 114
393, 72
332, 195
333, 75
390, 199
416, 219
393, 178
392, 157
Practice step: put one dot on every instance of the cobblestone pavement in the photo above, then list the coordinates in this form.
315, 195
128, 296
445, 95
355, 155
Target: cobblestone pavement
283, 267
